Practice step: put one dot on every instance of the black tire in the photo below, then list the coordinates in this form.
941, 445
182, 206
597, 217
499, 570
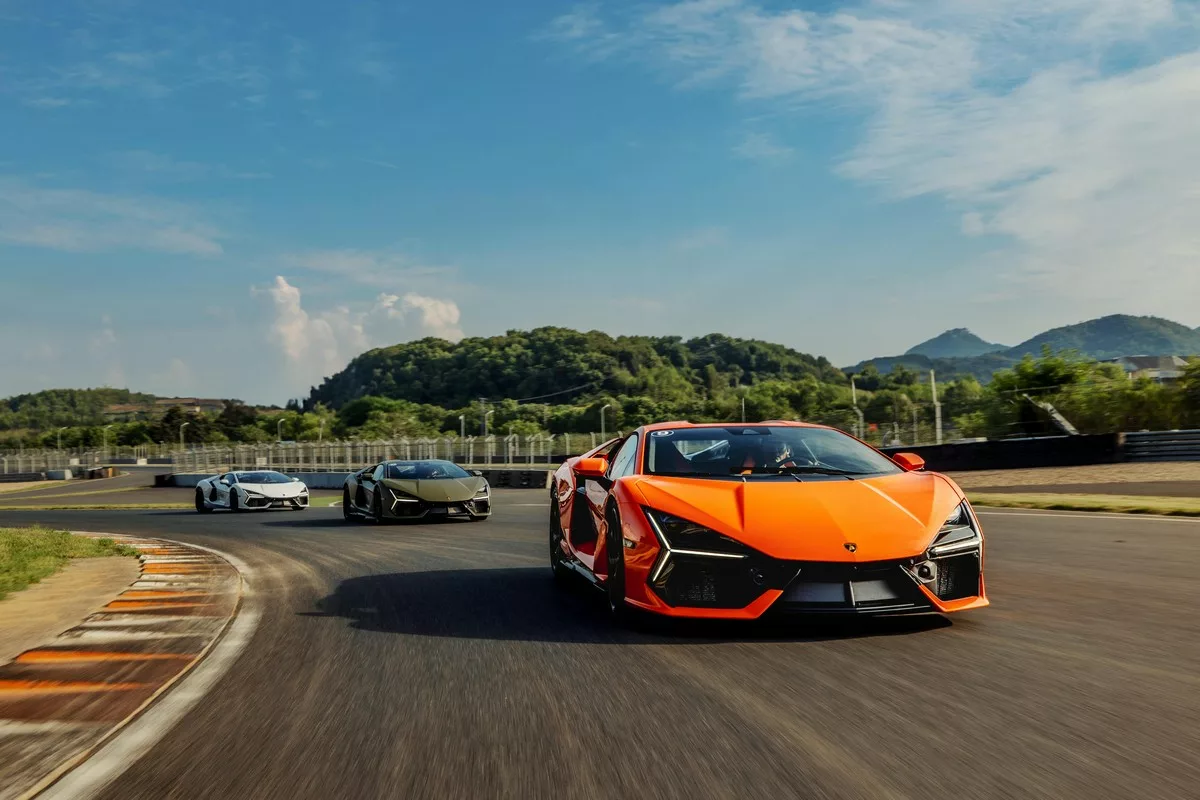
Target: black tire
614, 585
560, 571
233, 501
377, 508
201, 506
347, 508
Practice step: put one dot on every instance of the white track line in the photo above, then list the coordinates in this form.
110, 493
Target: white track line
1051, 514
143, 733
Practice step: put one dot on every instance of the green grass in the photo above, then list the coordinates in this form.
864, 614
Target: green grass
29, 554
1123, 504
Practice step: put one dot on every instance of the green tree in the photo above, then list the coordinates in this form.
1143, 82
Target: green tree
1189, 386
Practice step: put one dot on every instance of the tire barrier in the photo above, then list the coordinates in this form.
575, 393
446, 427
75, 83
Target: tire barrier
1163, 446
22, 477
518, 478
1044, 451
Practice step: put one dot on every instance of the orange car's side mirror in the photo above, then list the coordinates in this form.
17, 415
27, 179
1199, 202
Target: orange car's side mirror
909, 461
591, 467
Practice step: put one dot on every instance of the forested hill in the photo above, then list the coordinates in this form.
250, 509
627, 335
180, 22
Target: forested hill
54, 407
1115, 336
560, 365
1106, 337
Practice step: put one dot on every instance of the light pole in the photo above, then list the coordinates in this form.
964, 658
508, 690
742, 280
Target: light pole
743, 408
321, 431
857, 411
279, 429
486, 417
937, 409
60, 430
462, 426
181, 427
104, 453
603, 408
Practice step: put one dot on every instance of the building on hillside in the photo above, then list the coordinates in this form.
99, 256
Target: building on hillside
126, 412
131, 412
190, 404
1160, 369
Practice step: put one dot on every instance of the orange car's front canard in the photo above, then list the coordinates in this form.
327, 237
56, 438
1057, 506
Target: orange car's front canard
734, 520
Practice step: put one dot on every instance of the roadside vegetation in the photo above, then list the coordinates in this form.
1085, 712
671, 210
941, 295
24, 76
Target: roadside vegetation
27, 555
1166, 506
556, 380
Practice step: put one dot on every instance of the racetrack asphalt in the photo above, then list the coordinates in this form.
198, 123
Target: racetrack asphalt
440, 661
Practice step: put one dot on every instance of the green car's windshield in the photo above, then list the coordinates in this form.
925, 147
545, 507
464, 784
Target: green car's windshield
761, 450
424, 470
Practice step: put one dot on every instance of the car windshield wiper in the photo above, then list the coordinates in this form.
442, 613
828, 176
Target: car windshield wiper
671, 474
807, 469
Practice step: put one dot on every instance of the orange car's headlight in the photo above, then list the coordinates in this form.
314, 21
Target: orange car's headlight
958, 534
686, 537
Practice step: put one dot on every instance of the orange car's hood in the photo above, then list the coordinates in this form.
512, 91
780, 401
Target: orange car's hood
888, 517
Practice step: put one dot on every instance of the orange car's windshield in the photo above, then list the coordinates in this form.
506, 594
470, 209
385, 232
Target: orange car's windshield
760, 450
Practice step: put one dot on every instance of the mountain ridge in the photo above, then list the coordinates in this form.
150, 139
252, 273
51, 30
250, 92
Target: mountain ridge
1111, 336
954, 343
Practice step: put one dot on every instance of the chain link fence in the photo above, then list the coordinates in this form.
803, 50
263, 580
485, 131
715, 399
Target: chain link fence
514, 449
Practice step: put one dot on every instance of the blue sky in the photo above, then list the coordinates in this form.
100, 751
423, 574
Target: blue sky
229, 199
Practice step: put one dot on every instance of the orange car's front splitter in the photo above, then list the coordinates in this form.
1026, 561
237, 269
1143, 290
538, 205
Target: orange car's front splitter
768, 598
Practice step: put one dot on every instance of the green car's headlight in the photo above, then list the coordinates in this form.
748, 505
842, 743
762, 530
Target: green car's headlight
403, 497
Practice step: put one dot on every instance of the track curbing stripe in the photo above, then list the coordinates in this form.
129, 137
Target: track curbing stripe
88, 772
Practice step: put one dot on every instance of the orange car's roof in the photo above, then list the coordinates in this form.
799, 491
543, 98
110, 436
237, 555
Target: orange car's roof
658, 426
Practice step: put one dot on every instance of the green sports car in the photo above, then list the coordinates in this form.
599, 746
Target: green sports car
416, 490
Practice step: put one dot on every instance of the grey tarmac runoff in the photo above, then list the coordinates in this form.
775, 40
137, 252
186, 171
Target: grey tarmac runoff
439, 660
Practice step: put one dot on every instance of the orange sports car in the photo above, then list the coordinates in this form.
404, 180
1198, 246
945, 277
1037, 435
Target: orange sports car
732, 520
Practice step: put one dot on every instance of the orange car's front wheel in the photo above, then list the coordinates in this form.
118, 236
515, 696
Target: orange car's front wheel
560, 571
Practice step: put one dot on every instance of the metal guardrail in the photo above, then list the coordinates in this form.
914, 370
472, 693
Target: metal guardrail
343, 456
1163, 446
475, 451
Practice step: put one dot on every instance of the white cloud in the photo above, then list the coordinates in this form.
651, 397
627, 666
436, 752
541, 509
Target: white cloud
316, 345
368, 267
972, 224
1072, 127
584, 31
77, 220
104, 340
762, 147
161, 165
105, 353
176, 379
378, 163
372, 60
438, 317
49, 102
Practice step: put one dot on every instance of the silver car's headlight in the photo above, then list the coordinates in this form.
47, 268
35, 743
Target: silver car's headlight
482, 494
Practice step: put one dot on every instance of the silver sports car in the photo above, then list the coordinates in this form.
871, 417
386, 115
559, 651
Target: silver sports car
251, 491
